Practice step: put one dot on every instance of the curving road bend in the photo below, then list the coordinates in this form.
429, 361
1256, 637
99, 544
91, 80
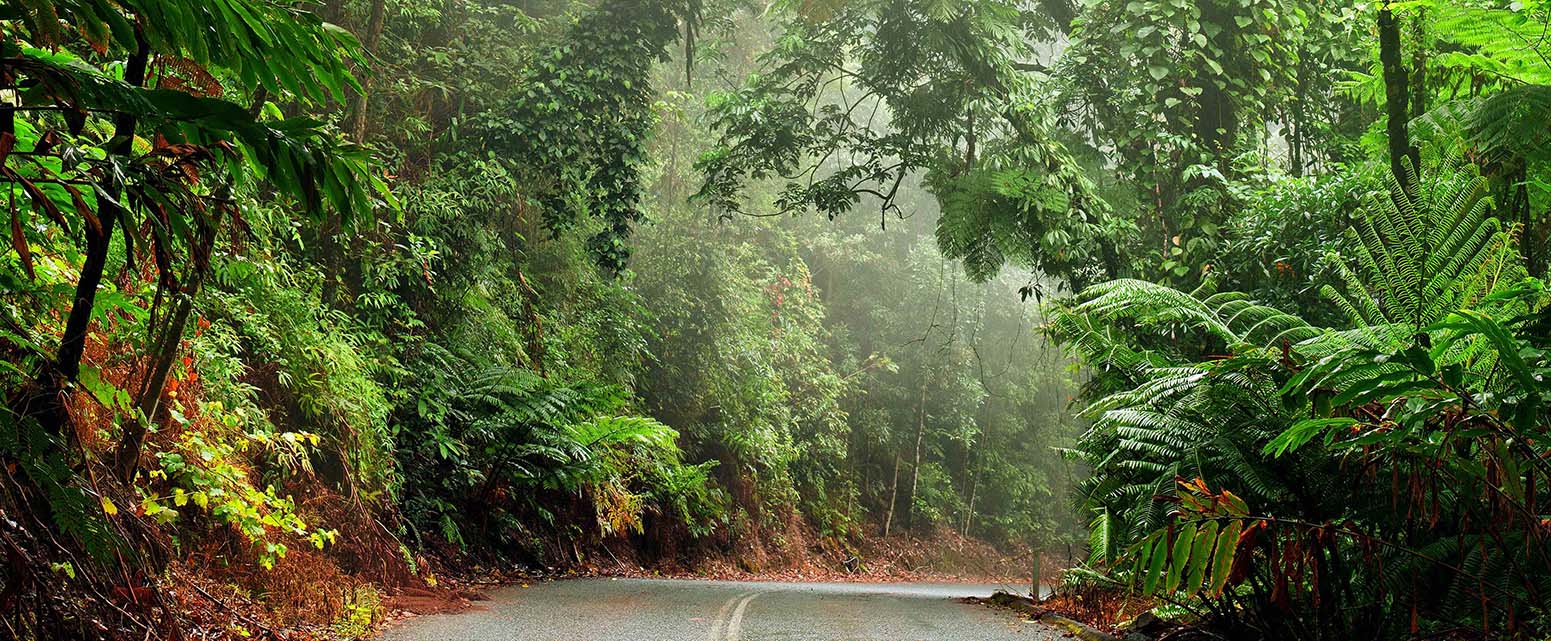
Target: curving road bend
689, 610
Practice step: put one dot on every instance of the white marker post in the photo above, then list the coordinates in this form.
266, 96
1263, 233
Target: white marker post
1036, 558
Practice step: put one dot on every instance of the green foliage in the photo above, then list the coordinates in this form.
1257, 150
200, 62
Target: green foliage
265, 44
944, 77
1498, 43
742, 365
78, 512
207, 475
581, 123
1427, 249
157, 175
1314, 404
1276, 248
268, 336
488, 442
190, 134
1430, 374
362, 609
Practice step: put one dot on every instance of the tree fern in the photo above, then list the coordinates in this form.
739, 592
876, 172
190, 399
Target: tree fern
1506, 45
496, 425
1285, 416
1425, 248
1500, 126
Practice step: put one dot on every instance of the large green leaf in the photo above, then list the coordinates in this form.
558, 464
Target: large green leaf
1222, 558
1184, 543
1200, 557
1156, 559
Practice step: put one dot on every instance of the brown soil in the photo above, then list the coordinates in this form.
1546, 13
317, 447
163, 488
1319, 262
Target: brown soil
1102, 609
943, 557
431, 600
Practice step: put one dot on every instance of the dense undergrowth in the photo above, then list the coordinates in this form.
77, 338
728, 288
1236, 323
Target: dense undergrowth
309, 307
312, 308
1302, 245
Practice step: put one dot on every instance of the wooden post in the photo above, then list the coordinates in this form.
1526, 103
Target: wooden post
1037, 557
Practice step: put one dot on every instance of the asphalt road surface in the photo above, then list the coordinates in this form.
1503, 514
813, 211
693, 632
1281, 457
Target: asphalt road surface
684, 610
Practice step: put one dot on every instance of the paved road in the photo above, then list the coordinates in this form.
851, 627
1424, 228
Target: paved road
677, 610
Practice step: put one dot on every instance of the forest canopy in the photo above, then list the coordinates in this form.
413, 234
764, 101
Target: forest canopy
1234, 309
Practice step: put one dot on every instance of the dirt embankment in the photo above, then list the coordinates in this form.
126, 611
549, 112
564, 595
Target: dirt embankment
939, 556
369, 578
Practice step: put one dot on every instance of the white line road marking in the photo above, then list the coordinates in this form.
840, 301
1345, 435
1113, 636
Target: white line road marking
721, 617
735, 626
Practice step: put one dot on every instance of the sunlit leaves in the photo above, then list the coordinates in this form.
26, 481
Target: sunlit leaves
1305, 431
1196, 554
266, 44
193, 134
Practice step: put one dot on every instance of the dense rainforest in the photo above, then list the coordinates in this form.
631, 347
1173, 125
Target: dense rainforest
1233, 308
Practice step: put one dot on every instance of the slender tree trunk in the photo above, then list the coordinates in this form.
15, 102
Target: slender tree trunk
1535, 231
673, 169
50, 407
126, 458
915, 469
973, 462
341, 279
1036, 570
334, 11
370, 44
1396, 97
888, 521
1295, 128
165, 352
1217, 122
969, 514
532, 326
969, 152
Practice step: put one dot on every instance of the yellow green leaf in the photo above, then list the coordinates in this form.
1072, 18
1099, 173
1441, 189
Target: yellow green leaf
1195, 575
1183, 541
1222, 561
1157, 557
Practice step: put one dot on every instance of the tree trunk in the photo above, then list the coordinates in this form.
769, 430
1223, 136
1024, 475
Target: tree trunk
1036, 570
532, 326
165, 353
126, 458
915, 469
1535, 231
335, 239
969, 143
1217, 122
969, 514
973, 462
49, 406
369, 44
888, 521
1396, 97
1295, 129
